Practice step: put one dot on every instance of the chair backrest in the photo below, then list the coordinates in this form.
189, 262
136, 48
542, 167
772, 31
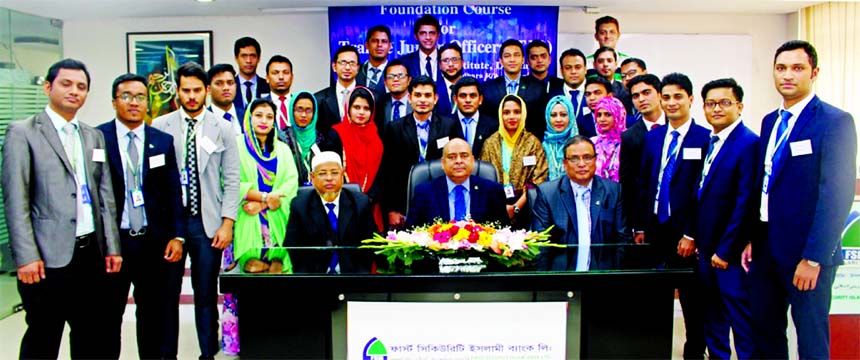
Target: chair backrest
429, 170
310, 188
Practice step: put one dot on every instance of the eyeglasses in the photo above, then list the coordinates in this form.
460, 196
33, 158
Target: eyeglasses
396, 76
347, 63
584, 159
630, 74
450, 60
724, 103
126, 97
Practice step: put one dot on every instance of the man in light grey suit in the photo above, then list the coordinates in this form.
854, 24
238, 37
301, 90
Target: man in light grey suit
208, 163
58, 198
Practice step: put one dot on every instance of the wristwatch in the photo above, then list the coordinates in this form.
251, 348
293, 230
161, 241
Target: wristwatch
516, 210
812, 263
263, 199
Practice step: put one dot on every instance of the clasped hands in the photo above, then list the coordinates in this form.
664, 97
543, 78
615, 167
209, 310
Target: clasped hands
273, 202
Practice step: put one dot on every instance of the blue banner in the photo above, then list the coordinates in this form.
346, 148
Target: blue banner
478, 29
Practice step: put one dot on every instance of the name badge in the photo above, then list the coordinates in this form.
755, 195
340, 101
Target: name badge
183, 176
136, 198
99, 155
692, 154
85, 195
440, 143
800, 148
530, 160
509, 191
207, 145
156, 161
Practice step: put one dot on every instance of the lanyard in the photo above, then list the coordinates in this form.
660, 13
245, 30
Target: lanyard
136, 170
507, 159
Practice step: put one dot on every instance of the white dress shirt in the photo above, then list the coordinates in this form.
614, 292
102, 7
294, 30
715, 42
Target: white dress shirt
234, 119
577, 105
682, 130
341, 101
85, 222
434, 63
139, 141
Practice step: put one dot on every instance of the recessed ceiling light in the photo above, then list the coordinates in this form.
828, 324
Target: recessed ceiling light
205, 1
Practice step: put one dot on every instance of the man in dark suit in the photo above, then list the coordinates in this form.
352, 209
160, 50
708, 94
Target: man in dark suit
249, 85
725, 192
606, 64
631, 68
476, 127
425, 60
573, 71
329, 215
279, 72
584, 210
595, 89
331, 99
671, 164
58, 199
148, 200
808, 150
512, 82
378, 44
394, 104
539, 62
451, 62
458, 195
414, 138
222, 88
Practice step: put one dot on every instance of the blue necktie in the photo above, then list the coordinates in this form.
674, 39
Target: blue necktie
663, 199
512, 87
248, 95
429, 68
332, 219
573, 95
397, 104
778, 152
423, 134
373, 77
468, 123
459, 202
228, 117
708, 160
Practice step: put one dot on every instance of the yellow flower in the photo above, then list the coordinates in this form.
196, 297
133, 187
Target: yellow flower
485, 239
462, 234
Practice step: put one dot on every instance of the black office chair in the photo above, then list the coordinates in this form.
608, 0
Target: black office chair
309, 188
429, 170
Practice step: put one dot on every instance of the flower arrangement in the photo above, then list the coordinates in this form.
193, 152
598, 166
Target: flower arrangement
460, 239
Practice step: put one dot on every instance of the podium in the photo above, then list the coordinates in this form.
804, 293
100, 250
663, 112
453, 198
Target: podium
622, 314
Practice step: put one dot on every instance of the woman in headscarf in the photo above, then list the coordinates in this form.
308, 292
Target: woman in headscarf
362, 147
517, 155
611, 122
559, 128
302, 136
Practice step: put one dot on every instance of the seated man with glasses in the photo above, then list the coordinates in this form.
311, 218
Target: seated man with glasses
468, 196
585, 210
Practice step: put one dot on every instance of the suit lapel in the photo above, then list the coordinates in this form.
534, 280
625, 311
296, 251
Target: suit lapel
344, 214
805, 116
679, 158
598, 193
726, 147
209, 131
149, 146
112, 150
441, 190
411, 132
319, 215
331, 102
53, 138
568, 201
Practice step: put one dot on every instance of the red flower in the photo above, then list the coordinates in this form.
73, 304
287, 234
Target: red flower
473, 237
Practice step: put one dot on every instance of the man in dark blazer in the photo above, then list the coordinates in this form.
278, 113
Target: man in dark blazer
540, 63
58, 199
585, 210
414, 138
531, 91
808, 177
440, 198
725, 192
329, 215
451, 62
425, 60
249, 85
148, 201
331, 99
397, 80
468, 98
378, 44
671, 164
573, 70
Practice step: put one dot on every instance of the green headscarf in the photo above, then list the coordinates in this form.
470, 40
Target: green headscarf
306, 136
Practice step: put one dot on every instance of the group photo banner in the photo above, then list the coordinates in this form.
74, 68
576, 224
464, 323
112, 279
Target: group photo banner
478, 29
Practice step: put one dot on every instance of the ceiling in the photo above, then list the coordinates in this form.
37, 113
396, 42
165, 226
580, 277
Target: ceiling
100, 9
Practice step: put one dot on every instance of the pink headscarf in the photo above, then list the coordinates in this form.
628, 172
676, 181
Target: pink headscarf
607, 145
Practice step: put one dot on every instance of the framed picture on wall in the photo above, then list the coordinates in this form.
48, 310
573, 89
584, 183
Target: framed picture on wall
157, 56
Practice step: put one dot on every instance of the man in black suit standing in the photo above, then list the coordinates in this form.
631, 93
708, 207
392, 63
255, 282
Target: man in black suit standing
606, 64
394, 104
573, 70
331, 99
540, 62
512, 82
147, 195
425, 60
249, 85
451, 63
476, 127
412, 139
378, 45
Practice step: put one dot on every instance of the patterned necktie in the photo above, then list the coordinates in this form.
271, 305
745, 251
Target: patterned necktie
193, 204
779, 146
423, 134
282, 122
583, 254
248, 94
468, 125
332, 219
373, 78
708, 160
459, 202
396, 105
663, 198
512, 87
574, 94
429, 68
135, 214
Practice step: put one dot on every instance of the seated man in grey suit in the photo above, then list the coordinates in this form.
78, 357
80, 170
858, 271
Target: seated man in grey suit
458, 195
585, 209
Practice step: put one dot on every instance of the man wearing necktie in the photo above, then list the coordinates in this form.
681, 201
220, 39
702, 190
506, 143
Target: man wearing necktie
807, 178
279, 73
222, 89
249, 85
378, 44
477, 127
424, 60
331, 99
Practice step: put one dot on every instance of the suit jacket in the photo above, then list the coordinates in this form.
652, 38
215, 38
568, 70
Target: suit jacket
727, 192
384, 112
531, 90
309, 226
551, 82
239, 101
414, 63
402, 151
629, 170
39, 193
556, 206
218, 172
361, 78
811, 194
486, 204
162, 193
328, 113
586, 125
487, 126
445, 105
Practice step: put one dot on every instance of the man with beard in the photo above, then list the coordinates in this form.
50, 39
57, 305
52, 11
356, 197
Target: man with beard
451, 63
378, 45
540, 61
222, 90
331, 99
394, 104
248, 83
279, 72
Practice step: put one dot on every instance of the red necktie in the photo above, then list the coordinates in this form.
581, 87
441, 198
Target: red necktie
653, 126
282, 118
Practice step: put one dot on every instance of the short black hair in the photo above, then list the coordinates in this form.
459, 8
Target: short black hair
378, 28
604, 49
393, 63
344, 49
126, 78
639, 62
799, 44
270, 138
191, 69
679, 80
278, 59
599, 80
606, 20
217, 69
422, 80
450, 46
571, 52
69, 64
724, 83
510, 42
576, 139
426, 20
244, 42
362, 93
466, 81
536, 43
648, 79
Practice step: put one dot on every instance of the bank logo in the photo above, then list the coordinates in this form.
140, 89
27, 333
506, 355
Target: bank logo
374, 350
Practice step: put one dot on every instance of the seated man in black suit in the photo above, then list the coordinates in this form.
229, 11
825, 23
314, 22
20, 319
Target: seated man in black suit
585, 210
458, 195
512, 82
329, 216
476, 127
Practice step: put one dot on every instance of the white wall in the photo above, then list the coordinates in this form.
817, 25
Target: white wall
304, 38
